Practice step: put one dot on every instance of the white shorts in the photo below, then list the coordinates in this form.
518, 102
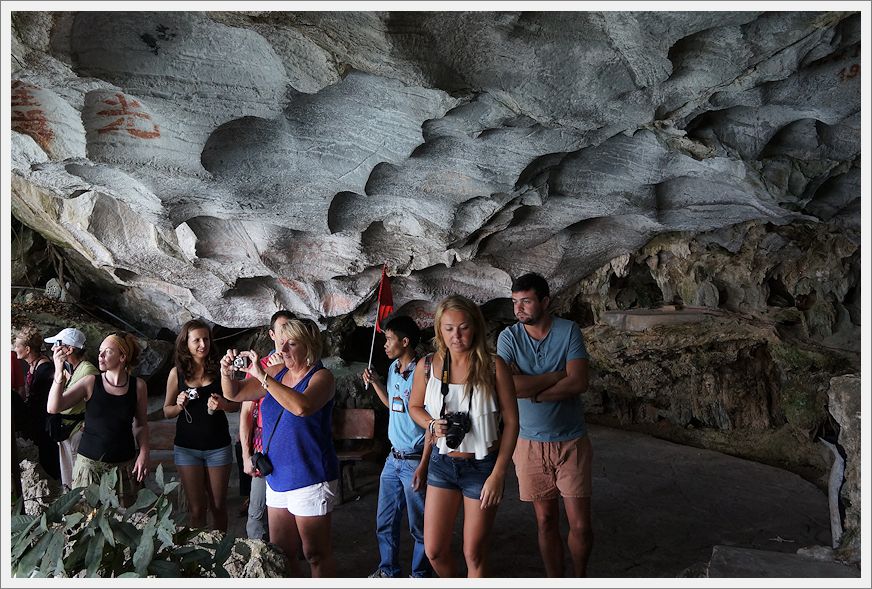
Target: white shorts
317, 499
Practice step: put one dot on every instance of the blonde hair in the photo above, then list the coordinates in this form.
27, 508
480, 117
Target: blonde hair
306, 334
31, 337
481, 360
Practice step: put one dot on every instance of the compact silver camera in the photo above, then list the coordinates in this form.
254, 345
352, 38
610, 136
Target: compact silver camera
192, 394
241, 363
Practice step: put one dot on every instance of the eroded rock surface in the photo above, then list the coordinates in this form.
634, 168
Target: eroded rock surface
224, 165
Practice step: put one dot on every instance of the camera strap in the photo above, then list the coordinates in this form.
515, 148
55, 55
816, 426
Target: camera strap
266, 448
278, 377
276, 426
446, 376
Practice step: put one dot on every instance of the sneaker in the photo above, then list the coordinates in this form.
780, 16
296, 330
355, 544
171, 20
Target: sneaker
379, 574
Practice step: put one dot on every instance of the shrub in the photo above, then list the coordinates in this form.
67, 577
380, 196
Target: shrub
86, 533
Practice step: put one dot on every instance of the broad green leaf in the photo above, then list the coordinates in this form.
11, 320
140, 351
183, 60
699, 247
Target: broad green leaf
144, 499
158, 476
244, 550
28, 561
170, 487
165, 535
185, 535
24, 538
92, 495
103, 522
125, 532
73, 519
52, 561
107, 487
94, 555
75, 560
195, 555
62, 505
20, 523
224, 548
164, 568
22, 543
145, 551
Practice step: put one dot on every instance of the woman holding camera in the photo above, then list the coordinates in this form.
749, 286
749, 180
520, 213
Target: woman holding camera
116, 416
298, 459
464, 395
202, 450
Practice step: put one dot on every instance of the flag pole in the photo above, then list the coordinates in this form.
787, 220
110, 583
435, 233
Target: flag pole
375, 324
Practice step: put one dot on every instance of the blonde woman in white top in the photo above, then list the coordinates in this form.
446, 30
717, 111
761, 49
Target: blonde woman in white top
474, 420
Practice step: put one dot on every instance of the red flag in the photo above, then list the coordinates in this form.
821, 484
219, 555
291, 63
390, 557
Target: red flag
385, 299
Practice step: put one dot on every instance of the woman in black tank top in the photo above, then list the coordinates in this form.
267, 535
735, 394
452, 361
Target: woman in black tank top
28, 346
116, 420
202, 448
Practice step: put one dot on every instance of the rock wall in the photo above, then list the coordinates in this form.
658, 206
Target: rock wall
224, 165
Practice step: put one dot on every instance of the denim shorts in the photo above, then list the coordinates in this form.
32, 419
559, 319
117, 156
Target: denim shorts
208, 458
466, 475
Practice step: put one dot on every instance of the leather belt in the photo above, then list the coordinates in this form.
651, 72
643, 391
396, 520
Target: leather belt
403, 456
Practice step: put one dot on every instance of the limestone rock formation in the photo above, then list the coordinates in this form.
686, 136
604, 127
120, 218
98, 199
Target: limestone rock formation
844, 405
224, 165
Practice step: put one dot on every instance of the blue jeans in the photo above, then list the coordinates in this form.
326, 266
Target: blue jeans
395, 495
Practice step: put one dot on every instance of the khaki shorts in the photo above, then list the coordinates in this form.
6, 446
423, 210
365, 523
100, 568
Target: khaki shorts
547, 470
87, 472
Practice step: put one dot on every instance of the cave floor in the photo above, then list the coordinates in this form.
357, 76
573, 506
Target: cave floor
659, 509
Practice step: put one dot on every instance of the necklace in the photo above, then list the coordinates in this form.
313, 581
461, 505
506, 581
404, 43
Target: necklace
32, 365
116, 385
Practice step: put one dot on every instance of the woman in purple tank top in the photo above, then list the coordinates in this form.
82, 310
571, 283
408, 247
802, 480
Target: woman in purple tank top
297, 407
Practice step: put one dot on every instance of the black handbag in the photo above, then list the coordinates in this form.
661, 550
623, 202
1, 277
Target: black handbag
59, 426
260, 459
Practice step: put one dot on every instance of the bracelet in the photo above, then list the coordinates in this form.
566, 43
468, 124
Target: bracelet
432, 427
61, 381
263, 382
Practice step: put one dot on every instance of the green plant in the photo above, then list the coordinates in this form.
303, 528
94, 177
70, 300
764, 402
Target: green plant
85, 530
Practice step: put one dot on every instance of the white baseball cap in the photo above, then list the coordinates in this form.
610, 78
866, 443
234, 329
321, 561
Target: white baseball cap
69, 336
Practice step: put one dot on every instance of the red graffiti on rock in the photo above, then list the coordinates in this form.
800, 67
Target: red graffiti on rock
30, 121
130, 119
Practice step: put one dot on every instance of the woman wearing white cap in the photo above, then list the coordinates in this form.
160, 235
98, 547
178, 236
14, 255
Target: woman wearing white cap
115, 416
73, 342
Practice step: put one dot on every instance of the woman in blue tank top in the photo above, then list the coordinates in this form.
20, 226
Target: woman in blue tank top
201, 450
297, 435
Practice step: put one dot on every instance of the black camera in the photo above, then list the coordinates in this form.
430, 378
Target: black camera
458, 424
262, 463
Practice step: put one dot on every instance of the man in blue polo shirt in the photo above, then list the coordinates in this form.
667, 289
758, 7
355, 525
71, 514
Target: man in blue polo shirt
403, 480
553, 456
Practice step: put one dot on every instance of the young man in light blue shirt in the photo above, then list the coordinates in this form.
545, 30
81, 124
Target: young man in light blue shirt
403, 479
553, 456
